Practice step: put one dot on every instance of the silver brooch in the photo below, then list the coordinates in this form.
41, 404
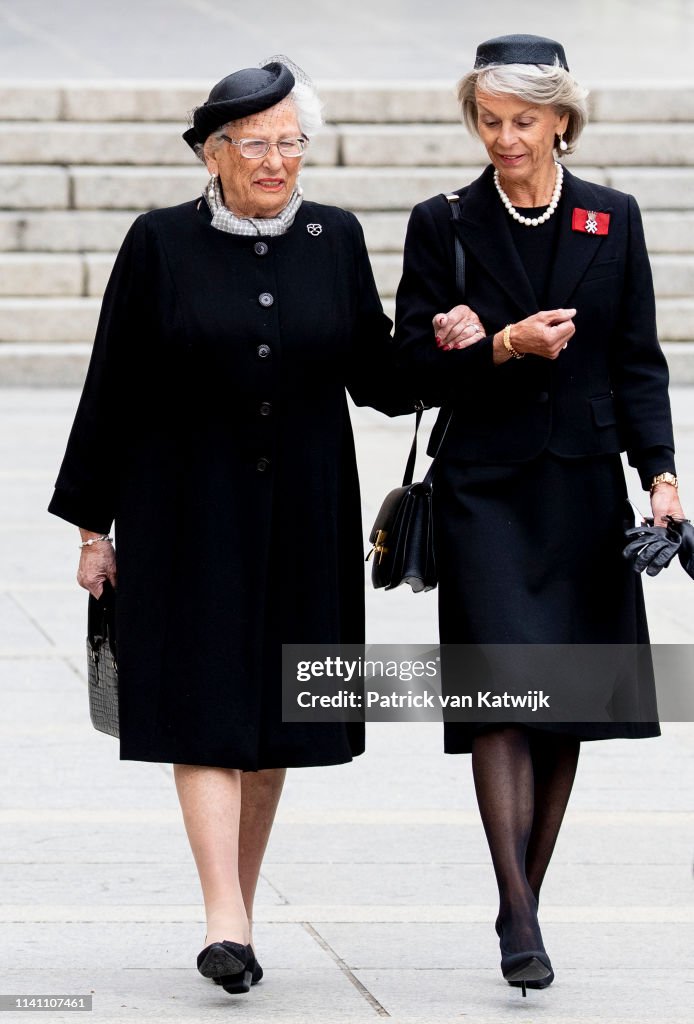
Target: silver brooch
592, 222
314, 229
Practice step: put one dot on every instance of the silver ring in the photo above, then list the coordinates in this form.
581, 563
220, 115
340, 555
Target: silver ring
565, 345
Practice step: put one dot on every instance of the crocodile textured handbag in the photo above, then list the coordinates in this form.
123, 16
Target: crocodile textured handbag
102, 664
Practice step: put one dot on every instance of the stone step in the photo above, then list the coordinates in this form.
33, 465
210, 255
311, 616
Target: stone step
363, 145
354, 188
65, 231
128, 143
70, 319
673, 276
48, 319
115, 188
657, 188
676, 319
86, 274
34, 188
33, 364
357, 188
42, 274
668, 231
355, 101
640, 101
604, 145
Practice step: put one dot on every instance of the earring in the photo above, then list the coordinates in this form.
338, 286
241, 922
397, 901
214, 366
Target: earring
563, 145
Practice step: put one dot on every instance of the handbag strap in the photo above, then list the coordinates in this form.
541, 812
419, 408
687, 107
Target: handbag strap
100, 617
453, 200
412, 457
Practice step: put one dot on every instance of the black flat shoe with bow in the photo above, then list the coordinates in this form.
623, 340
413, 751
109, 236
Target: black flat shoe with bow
241, 981
228, 963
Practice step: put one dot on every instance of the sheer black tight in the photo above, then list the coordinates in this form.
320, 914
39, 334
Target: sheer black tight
523, 779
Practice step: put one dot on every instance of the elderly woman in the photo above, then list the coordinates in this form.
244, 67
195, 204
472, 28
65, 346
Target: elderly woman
213, 428
529, 493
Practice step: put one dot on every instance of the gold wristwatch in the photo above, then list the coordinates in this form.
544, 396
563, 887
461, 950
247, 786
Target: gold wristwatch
664, 478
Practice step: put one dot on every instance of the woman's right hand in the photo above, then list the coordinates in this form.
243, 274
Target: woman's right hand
97, 564
544, 334
458, 328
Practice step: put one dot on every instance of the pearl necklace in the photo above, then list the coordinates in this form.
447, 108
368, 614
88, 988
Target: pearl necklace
532, 222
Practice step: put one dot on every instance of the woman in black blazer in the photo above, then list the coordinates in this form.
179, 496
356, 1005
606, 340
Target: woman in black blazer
529, 493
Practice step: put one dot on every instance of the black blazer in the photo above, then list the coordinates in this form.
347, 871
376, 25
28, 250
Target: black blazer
606, 392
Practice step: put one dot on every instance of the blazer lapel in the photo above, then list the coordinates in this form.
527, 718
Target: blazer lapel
485, 233
576, 250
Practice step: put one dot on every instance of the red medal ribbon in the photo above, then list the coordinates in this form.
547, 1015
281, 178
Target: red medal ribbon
591, 222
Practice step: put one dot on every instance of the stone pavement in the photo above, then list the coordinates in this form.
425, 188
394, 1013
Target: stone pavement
377, 897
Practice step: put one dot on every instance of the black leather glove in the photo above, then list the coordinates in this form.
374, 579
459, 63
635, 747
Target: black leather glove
685, 552
653, 547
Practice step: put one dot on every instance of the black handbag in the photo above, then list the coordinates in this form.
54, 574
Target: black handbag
402, 535
102, 662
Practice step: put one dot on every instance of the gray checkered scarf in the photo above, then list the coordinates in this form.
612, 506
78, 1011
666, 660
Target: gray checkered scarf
224, 220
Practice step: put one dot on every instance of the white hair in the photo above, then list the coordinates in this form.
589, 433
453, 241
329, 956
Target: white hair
539, 84
309, 114
309, 109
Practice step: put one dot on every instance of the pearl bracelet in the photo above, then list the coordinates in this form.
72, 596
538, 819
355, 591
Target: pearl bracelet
95, 540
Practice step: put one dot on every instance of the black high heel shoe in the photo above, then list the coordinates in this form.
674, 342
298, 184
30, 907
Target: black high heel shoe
228, 963
530, 968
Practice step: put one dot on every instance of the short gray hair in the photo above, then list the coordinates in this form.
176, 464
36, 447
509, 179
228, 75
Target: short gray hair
539, 84
309, 114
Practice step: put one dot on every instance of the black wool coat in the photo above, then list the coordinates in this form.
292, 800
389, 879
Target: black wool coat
606, 393
214, 429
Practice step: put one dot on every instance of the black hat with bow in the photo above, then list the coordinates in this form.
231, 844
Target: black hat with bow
239, 95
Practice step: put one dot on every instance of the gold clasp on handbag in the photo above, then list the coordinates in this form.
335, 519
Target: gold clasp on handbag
379, 546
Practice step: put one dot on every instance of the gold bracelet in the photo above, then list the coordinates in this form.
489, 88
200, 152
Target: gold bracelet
507, 343
664, 478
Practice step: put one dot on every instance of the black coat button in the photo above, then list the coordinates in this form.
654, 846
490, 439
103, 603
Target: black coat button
264, 351
261, 248
265, 299
543, 397
265, 408
262, 465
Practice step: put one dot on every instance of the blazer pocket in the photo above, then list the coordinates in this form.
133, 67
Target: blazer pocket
604, 412
602, 270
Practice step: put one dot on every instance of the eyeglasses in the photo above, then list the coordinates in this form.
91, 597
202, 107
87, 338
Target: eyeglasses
254, 149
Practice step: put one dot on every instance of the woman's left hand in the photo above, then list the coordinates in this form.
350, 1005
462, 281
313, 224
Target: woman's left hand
665, 502
458, 328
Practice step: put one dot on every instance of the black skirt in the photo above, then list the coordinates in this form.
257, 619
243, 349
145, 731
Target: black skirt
530, 553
